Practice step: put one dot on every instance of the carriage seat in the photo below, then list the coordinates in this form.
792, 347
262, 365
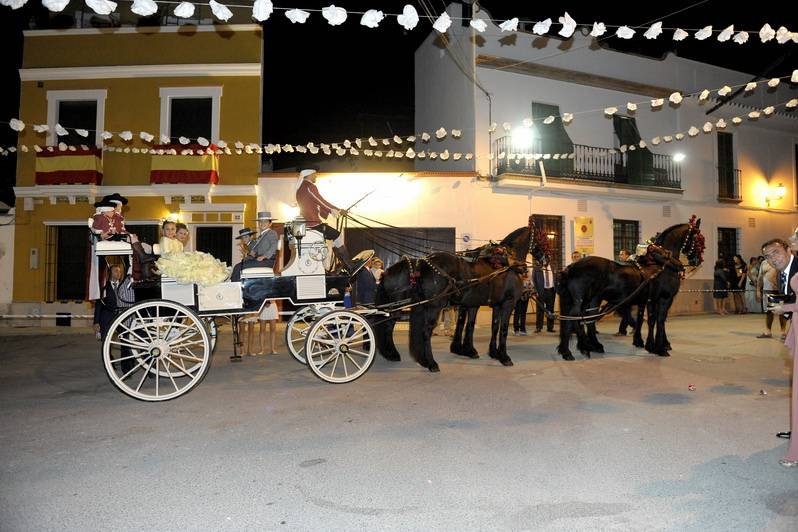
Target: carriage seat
110, 247
259, 272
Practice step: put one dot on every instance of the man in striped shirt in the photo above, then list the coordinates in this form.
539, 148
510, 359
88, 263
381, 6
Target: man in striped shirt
116, 296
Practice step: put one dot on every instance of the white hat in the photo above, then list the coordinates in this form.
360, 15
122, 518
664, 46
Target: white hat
302, 175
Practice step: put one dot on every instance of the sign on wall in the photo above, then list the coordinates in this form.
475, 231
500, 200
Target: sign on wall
583, 234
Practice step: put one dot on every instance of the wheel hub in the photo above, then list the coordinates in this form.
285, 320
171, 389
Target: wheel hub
158, 349
343, 349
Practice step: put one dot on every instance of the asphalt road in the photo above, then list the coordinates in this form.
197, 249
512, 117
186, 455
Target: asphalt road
617, 442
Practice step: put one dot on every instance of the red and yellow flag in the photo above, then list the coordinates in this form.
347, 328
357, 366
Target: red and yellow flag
79, 167
185, 168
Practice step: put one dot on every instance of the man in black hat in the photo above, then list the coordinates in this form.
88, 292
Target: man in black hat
245, 236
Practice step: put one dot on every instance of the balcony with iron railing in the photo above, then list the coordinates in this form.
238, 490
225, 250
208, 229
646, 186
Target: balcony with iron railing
729, 184
578, 162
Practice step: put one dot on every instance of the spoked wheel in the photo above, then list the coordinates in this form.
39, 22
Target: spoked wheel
340, 346
157, 350
296, 330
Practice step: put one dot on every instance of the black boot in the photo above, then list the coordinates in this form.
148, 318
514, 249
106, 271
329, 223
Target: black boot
352, 267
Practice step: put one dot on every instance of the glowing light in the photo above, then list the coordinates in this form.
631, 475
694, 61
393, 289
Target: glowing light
522, 138
678, 157
775, 193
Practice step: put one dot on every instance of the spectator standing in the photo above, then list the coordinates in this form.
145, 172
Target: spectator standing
750, 286
738, 278
545, 287
521, 307
720, 286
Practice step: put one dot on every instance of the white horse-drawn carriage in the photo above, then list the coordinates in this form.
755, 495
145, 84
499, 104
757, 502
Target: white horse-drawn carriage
166, 339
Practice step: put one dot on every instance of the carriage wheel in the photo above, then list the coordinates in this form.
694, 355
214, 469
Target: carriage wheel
296, 330
157, 350
340, 346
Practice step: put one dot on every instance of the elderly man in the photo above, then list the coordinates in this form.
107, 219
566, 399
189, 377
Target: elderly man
264, 250
313, 207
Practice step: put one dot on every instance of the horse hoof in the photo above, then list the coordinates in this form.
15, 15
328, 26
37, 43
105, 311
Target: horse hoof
638, 344
599, 349
664, 354
455, 349
506, 362
568, 356
393, 357
434, 368
471, 353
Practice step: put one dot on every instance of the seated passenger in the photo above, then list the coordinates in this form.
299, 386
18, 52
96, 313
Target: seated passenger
169, 242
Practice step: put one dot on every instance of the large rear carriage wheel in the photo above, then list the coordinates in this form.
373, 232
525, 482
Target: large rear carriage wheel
340, 346
157, 350
296, 330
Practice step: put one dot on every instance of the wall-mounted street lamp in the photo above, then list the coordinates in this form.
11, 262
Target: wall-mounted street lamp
776, 193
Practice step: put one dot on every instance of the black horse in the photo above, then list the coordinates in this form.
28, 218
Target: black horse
467, 307
655, 277
442, 279
666, 285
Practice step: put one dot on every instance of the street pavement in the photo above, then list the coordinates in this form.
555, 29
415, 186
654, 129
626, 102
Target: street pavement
616, 442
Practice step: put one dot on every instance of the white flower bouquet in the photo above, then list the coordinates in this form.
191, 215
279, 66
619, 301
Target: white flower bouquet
193, 267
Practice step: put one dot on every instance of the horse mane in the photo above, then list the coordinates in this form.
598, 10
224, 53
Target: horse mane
660, 237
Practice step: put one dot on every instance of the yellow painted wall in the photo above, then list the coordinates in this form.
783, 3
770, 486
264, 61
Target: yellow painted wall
135, 105
30, 232
150, 46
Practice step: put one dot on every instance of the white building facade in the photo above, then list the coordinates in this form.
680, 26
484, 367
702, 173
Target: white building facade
740, 180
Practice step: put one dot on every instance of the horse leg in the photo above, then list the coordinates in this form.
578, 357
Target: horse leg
637, 340
582, 343
420, 337
652, 317
566, 326
383, 333
662, 314
456, 346
504, 312
468, 338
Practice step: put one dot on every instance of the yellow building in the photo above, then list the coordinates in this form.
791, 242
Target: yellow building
169, 81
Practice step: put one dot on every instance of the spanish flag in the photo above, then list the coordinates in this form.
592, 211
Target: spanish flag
79, 167
202, 168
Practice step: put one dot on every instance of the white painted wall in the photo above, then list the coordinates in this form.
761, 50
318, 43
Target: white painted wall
764, 149
6, 258
445, 95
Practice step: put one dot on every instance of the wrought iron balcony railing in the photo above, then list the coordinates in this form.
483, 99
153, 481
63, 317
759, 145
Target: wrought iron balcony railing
589, 163
729, 183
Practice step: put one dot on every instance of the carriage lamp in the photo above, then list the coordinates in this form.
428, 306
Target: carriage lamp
298, 230
678, 157
776, 193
